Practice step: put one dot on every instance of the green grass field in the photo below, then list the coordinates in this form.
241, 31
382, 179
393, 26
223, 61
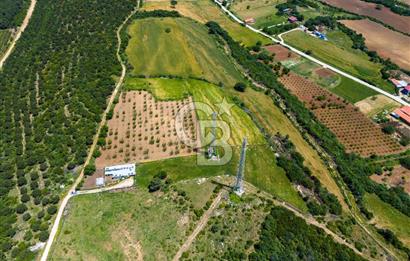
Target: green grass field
204, 11
386, 216
351, 90
178, 46
337, 52
4, 40
110, 226
273, 120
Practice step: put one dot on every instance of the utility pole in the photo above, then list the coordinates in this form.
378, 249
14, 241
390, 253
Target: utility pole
212, 150
238, 188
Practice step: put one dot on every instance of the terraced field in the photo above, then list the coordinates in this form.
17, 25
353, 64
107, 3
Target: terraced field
178, 47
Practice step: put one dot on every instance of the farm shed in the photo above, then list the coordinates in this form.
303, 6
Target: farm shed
120, 171
403, 113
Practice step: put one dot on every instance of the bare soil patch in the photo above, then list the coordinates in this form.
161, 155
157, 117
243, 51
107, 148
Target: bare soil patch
401, 23
324, 73
387, 43
143, 129
281, 53
353, 129
399, 177
375, 104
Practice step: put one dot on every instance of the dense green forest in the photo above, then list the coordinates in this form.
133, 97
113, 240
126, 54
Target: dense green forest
12, 12
354, 170
53, 91
287, 237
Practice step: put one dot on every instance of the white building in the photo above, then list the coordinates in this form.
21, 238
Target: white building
120, 171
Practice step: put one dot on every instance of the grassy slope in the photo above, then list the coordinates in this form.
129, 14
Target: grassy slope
386, 216
204, 11
337, 52
261, 169
187, 50
274, 121
99, 227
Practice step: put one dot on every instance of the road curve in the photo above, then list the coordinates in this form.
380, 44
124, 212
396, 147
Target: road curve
64, 202
328, 66
20, 30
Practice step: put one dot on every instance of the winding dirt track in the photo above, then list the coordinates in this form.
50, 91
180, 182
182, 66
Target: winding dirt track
70, 193
19, 32
201, 224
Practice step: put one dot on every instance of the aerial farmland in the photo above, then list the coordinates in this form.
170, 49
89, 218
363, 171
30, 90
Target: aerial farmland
204, 130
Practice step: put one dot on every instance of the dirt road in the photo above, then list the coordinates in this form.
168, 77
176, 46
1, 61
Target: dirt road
20, 30
201, 224
64, 202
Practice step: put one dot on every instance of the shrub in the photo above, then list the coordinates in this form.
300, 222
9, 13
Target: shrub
26, 216
89, 169
389, 129
43, 236
21, 208
52, 210
240, 87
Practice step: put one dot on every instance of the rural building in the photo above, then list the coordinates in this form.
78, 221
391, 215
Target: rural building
250, 20
402, 113
120, 171
398, 83
292, 19
406, 90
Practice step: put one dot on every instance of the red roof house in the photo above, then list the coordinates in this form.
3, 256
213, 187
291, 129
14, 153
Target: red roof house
403, 113
292, 19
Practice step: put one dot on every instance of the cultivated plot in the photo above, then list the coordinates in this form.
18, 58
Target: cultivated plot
383, 14
143, 129
353, 129
387, 43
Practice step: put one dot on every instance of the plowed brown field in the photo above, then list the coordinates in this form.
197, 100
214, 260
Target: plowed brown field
353, 129
387, 43
281, 53
401, 23
143, 129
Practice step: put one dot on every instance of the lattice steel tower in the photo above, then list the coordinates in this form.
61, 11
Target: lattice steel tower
238, 188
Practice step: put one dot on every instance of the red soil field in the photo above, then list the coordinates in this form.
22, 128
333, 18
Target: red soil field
352, 128
324, 73
281, 53
387, 43
401, 23
143, 129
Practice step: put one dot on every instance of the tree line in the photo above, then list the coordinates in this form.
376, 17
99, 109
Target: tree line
12, 12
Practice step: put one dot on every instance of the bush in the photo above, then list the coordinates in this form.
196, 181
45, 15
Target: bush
52, 210
43, 236
89, 169
405, 162
154, 185
26, 216
389, 129
21, 208
24, 198
240, 87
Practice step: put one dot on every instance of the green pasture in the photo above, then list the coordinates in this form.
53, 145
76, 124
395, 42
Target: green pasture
385, 216
178, 46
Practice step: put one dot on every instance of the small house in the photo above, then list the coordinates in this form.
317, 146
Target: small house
292, 19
